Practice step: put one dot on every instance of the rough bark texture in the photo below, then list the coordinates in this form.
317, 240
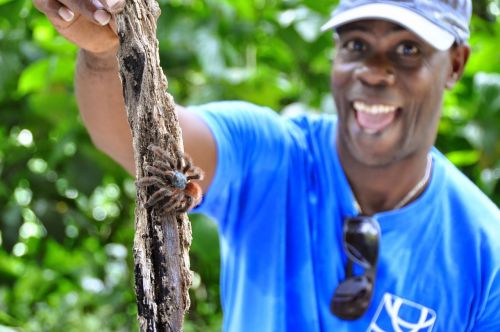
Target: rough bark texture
162, 275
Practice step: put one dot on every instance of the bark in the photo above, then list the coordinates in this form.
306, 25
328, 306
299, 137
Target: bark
161, 244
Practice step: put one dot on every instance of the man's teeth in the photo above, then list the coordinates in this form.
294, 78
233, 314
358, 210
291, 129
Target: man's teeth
373, 109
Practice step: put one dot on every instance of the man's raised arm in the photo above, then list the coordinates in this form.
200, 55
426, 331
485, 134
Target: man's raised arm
90, 25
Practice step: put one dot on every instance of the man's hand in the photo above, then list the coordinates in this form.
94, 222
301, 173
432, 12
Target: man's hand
87, 23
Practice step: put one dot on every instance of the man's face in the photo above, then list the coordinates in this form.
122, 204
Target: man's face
388, 87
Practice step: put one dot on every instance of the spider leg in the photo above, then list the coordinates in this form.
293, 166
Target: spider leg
177, 161
161, 165
180, 159
196, 174
159, 152
188, 164
161, 169
163, 193
194, 177
151, 181
173, 202
186, 205
155, 171
171, 162
162, 154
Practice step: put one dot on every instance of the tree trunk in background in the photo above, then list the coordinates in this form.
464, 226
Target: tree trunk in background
161, 244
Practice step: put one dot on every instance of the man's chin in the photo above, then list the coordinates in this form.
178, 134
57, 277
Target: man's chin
372, 156
376, 162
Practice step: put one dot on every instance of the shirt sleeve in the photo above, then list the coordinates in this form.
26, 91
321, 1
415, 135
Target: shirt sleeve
251, 144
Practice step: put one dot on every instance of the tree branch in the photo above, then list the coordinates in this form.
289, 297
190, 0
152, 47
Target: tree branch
162, 275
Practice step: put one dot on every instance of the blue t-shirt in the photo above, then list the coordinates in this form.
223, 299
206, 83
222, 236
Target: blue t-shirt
279, 197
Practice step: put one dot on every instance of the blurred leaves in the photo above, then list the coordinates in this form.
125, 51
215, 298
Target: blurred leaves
66, 210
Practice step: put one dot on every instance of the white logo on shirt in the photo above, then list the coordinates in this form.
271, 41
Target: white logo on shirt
395, 314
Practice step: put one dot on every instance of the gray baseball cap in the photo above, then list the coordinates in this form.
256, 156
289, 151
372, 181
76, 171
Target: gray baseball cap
438, 22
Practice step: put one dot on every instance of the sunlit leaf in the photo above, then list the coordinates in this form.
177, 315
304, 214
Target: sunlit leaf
463, 158
34, 77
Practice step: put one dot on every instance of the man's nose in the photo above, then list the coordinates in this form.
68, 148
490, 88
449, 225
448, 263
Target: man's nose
376, 72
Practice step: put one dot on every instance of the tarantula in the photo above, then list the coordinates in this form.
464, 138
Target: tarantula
176, 192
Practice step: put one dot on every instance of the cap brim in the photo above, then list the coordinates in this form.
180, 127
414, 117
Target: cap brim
425, 29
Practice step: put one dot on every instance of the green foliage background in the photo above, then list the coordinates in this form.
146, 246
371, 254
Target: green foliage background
66, 210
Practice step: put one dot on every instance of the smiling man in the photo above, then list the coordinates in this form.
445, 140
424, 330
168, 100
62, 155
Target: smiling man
348, 223
388, 84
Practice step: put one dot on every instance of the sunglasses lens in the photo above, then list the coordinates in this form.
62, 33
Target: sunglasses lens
352, 298
361, 242
362, 235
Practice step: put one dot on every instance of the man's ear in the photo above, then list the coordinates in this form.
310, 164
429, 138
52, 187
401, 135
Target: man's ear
459, 54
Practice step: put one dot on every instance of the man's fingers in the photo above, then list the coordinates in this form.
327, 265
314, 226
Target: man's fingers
92, 10
66, 14
57, 13
62, 12
97, 11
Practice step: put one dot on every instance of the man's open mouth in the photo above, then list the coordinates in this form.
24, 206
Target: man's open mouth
374, 118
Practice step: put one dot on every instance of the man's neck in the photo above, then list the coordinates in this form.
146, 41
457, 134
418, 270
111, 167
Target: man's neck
381, 188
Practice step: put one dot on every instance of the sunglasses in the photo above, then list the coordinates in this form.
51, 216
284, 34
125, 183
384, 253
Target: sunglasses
361, 238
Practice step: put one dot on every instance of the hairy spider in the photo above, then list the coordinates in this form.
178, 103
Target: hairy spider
176, 192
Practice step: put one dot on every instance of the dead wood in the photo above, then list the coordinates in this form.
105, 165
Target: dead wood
161, 244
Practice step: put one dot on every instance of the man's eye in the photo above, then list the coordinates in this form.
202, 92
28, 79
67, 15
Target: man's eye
355, 46
407, 49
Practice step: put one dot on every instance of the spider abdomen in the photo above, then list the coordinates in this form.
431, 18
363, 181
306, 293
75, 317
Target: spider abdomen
194, 190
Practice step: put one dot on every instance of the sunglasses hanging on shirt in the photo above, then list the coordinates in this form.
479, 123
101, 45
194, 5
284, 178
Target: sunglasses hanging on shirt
361, 239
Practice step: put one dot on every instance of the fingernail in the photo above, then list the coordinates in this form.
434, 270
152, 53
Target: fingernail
111, 3
66, 14
102, 17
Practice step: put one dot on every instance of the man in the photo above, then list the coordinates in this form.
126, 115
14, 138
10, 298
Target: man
326, 224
